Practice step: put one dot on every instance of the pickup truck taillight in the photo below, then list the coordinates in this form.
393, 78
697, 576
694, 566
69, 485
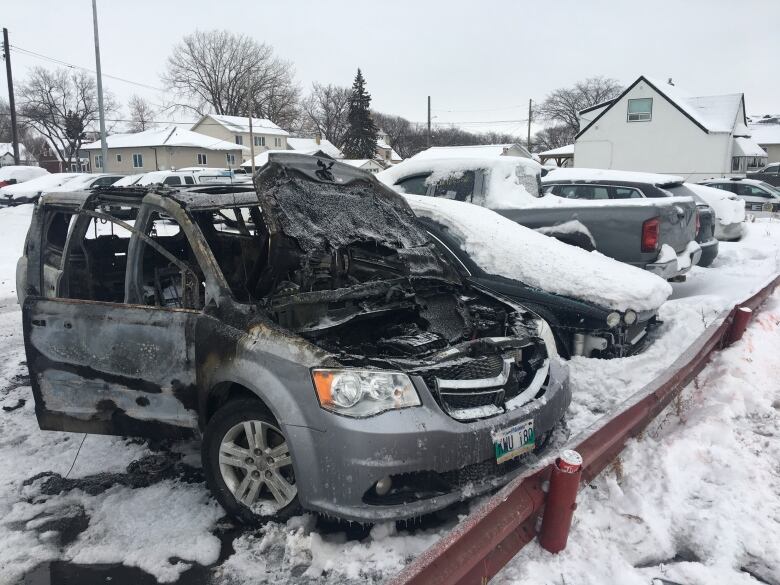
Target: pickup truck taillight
650, 231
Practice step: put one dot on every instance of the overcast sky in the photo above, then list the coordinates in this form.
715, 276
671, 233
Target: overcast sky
480, 60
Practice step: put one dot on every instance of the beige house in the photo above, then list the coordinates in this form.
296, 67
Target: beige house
162, 149
766, 133
385, 152
235, 129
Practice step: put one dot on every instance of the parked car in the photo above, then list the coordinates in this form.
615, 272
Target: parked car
89, 181
596, 306
186, 178
12, 174
729, 210
30, 191
654, 234
605, 185
333, 358
769, 174
129, 180
759, 196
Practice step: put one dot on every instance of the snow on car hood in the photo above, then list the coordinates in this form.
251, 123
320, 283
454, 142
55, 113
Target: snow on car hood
728, 207
502, 247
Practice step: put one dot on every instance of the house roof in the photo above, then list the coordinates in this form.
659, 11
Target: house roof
567, 150
359, 162
393, 154
167, 136
747, 147
765, 133
262, 158
478, 151
8, 148
240, 124
714, 113
309, 146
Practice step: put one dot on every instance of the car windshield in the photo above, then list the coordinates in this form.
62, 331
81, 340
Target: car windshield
771, 188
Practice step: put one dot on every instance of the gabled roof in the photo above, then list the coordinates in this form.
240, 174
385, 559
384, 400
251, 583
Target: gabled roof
394, 156
310, 146
715, 113
167, 136
8, 148
567, 150
240, 124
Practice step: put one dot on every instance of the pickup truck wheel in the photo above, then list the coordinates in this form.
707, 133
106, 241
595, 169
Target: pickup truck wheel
248, 464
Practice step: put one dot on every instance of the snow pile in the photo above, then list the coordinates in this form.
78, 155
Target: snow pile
500, 246
695, 500
21, 173
14, 223
728, 207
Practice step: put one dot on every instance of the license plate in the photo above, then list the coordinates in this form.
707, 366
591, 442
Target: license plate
514, 441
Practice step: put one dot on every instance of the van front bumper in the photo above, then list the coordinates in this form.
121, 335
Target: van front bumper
440, 460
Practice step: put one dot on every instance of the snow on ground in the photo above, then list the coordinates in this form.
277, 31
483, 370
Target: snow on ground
145, 505
695, 500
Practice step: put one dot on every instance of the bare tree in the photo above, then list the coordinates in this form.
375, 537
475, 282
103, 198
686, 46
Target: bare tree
141, 114
61, 105
553, 137
563, 105
216, 71
5, 121
325, 112
281, 104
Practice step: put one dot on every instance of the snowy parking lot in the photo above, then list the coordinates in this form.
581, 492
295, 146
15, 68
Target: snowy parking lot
696, 500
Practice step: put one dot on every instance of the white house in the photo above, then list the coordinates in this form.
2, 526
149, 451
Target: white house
7, 155
765, 132
160, 149
266, 135
366, 164
657, 127
312, 145
385, 152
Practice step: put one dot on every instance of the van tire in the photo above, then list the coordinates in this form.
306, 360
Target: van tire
228, 421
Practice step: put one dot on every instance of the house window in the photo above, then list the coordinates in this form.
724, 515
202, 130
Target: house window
119, 158
138, 161
640, 110
259, 140
239, 140
202, 160
735, 164
98, 161
277, 141
230, 158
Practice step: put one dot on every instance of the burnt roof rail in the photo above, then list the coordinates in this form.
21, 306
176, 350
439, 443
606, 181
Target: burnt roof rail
479, 546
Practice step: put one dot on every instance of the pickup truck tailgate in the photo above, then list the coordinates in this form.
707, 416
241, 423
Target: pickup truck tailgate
678, 223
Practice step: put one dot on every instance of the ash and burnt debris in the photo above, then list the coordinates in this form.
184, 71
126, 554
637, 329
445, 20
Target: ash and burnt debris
140, 473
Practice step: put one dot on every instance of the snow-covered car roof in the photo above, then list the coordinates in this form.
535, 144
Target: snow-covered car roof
502, 247
511, 177
21, 173
35, 186
728, 207
754, 182
594, 175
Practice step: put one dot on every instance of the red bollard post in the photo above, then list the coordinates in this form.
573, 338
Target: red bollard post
561, 501
742, 317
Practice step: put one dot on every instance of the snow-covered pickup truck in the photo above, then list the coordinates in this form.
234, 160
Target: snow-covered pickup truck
658, 235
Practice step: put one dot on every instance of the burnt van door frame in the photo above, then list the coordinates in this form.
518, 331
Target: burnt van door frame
108, 367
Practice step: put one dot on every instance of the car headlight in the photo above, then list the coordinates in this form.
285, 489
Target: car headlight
360, 393
630, 317
613, 319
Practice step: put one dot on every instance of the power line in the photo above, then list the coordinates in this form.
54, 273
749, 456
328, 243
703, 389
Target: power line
482, 110
73, 66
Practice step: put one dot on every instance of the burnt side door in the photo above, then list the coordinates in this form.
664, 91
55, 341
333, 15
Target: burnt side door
99, 364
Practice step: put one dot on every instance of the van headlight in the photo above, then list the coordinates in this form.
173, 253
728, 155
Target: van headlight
360, 393
613, 319
630, 317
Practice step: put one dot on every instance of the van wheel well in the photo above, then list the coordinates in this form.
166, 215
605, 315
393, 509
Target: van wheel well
225, 392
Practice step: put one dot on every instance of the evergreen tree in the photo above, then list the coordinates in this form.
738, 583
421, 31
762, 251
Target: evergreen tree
360, 140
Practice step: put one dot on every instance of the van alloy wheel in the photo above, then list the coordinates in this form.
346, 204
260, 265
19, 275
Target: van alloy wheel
256, 466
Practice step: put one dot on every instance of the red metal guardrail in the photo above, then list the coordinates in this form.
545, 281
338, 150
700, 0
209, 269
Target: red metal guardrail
487, 539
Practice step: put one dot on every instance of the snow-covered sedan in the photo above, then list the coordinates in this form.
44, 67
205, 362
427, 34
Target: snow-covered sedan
596, 306
759, 196
30, 191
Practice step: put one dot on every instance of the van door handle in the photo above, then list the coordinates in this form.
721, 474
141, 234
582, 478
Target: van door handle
39, 322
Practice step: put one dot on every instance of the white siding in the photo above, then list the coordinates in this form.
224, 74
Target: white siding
669, 143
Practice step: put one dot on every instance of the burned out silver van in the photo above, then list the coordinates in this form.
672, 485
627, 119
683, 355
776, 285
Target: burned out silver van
305, 327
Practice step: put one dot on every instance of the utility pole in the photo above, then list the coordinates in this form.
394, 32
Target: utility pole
530, 115
11, 103
429, 122
251, 134
101, 111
